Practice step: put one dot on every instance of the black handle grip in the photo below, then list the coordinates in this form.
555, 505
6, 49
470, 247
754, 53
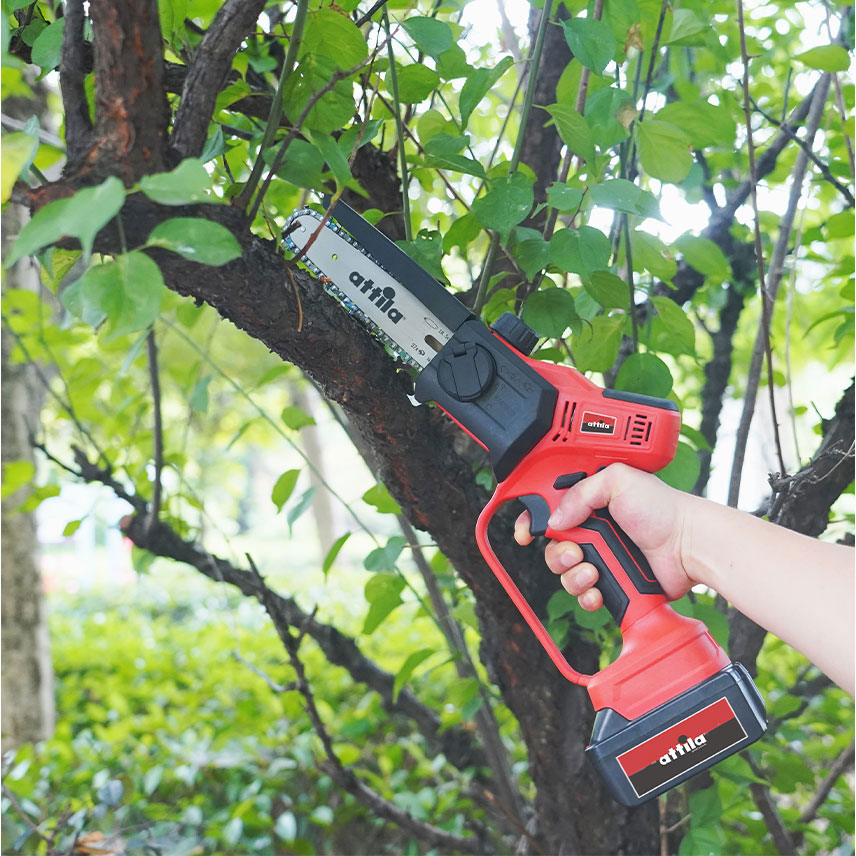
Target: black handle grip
621, 554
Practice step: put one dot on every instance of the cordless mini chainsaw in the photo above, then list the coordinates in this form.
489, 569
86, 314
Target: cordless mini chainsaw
672, 704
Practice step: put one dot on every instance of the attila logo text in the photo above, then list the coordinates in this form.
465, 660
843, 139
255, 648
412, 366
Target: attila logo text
383, 298
683, 749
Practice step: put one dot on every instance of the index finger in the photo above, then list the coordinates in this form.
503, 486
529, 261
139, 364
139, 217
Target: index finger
522, 535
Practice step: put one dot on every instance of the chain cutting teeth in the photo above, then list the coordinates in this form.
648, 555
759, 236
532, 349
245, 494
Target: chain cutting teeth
330, 287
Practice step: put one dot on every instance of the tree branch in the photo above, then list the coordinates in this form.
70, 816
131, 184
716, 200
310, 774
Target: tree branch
822, 167
769, 290
161, 540
207, 73
803, 506
132, 113
687, 280
343, 776
839, 765
72, 73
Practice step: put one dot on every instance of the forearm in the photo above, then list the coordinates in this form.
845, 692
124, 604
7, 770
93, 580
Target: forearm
798, 588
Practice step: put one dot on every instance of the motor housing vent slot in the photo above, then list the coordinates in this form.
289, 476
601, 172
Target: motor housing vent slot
638, 431
562, 428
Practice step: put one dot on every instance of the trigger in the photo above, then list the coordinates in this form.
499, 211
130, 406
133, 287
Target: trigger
539, 513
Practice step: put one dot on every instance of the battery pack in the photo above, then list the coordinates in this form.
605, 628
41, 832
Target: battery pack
642, 758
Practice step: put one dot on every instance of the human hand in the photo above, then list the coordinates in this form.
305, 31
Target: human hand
655, 516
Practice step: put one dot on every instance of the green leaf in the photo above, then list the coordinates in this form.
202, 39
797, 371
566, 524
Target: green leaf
591, 42
18, 151
550, 312
650, 253
378, 496
283, 488
560, 604
646, 374
409, 667
299, 507
443, 153
335, 36
47, 47
573, 129
671, 330
714, 620
416, 82
197, 240
508, 202
609, 112
609, 290
452, 65
564, 198
426, 249
71, 527
16, 474
383, 593
296, 418
383, 559
664, 150
591, 620
683, 471
127, 292
825, 58
80, 216
704, 841
303, 164
705, 256
463, 231
478, 84
581, 251
188, 182
431, 36
333, 552
333, 155
331, 111
705, 124
622, 195
286, 826
532, 255
687, 29
596, 347
705, 807
198, 399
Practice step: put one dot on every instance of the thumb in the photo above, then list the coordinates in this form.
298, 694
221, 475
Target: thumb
594, 492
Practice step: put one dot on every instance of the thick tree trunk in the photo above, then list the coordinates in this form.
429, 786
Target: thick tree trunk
27, 675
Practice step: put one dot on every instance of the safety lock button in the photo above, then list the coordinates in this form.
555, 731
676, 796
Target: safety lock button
466, 370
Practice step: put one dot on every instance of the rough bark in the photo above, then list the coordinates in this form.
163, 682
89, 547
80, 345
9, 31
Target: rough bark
27, 674
414, 447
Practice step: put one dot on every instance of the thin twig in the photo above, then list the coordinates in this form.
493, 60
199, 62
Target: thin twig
534, 62
399, 131
839, 765
154, 379
276, 687
365, 18
567, 160
769, 811
344, 776
276, 105
10, 795
337, 77
815, 159
769, 291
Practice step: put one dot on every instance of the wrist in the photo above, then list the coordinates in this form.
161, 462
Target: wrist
695, 548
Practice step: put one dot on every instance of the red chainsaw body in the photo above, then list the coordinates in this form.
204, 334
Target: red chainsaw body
663, 653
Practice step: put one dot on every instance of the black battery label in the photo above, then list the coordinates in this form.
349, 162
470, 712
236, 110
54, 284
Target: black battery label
682, 747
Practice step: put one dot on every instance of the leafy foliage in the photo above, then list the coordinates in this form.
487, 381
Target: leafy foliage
622, 239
